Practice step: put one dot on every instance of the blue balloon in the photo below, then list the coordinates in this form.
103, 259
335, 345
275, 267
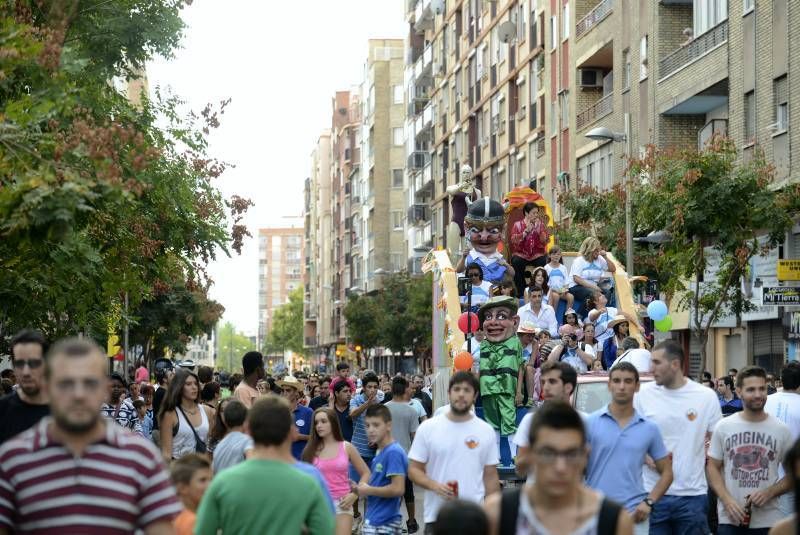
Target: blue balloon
657, 310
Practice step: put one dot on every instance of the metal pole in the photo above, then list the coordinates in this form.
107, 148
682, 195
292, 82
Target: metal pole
627, 184
125, 347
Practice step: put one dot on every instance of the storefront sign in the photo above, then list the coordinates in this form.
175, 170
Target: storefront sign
781, 295
789, 270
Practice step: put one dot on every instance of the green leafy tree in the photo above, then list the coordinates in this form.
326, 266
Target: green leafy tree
711, 199
362, 314
99, 197
287, 326
231, 346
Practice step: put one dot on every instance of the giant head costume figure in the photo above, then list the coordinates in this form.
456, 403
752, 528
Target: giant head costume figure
484, 224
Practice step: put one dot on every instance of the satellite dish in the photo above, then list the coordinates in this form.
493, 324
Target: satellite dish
437, 6
507, 31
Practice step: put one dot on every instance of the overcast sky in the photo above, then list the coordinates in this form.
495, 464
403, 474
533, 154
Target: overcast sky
280, 63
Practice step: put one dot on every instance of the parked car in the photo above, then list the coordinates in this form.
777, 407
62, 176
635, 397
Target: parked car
592, 392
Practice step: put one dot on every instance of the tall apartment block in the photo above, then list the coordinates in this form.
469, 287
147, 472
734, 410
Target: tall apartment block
517, 105
280, 270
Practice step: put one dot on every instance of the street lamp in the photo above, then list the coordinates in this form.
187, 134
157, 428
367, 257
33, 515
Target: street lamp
603, 133
656, 237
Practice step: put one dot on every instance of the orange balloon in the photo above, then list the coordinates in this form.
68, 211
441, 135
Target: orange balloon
463, 361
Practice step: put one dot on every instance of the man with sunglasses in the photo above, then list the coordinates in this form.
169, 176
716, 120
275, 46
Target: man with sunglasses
29, 403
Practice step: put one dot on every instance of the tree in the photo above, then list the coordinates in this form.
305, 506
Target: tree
287, 326
97, 198
231, 346
711, 201
398, 316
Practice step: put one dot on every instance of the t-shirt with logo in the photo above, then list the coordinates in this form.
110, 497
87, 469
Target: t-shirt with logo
303, 417
454, 451
591, 271
684, 415
751, 453
390, 461
556, 276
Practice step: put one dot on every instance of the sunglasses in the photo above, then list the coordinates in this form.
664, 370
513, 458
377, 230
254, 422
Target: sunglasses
32, 363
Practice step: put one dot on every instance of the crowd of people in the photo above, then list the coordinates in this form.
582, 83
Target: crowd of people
181, 451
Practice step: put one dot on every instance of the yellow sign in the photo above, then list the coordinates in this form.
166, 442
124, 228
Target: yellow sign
789, 270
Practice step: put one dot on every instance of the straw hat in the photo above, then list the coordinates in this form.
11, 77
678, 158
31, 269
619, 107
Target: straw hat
526, 327
290, 382
619, 318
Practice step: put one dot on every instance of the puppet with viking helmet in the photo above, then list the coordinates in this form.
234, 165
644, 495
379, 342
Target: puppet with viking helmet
484, 224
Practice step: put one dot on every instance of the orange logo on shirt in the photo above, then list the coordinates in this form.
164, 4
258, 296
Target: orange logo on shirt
471, 442
691, 414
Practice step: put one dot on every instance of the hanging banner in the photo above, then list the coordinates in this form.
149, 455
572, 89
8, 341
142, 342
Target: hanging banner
781, 296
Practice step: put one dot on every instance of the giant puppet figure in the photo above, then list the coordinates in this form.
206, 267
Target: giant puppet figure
462, 195
502, 366
484, 224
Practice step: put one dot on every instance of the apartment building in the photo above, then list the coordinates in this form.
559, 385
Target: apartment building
280, 270
512, 87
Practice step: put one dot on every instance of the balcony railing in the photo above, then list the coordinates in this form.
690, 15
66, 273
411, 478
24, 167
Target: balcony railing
310, 341
599, 109
694, 49
593, 17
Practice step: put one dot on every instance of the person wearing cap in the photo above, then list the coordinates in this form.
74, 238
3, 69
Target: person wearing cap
502, 368
291, 389
119, 409
612, 346
484, 223
530, 348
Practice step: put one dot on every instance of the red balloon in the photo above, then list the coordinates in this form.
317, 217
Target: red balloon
474, 322
463, 361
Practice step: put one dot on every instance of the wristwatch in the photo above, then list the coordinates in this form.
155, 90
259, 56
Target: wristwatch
649, 502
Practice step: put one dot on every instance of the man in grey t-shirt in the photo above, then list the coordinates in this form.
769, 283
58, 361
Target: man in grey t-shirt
231, 450
405, 422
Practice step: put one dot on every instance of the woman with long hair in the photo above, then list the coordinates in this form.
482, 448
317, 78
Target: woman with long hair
540, 279
612, 347
220, 427
328, 451
184, 423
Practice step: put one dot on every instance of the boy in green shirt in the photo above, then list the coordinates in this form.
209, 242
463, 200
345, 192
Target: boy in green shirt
265, 494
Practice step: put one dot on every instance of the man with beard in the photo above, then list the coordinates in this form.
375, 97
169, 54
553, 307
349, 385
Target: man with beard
746, 450
502, 367
60, 475
454, 455
21, 409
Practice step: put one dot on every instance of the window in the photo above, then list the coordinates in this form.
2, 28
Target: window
626, 66
521, 21
781, 96
397, 219
397, 178
397, 94
748, 5
749, 117
643, 58
553, 33
708, 13
397, 135
495, 193
512, 172
479, 57
553, 119
565, 22
532, 160
563, 97
371, 100
396, 260
596, 168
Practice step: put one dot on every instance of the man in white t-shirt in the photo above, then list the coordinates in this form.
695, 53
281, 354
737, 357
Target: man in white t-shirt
785, 406
746, 450
686, 413
639, 357
456, 449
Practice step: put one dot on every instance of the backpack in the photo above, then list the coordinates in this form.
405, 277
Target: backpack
509, 511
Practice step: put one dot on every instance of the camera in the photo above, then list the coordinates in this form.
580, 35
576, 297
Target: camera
464, 286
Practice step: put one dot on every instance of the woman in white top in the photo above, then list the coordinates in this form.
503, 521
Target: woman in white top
182, 417
587, 272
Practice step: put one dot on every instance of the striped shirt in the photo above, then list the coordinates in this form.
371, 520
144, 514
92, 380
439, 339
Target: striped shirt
117, 486
126, 415
360, 440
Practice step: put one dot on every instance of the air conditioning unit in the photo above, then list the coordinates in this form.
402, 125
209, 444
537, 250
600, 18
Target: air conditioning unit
591, 77
521, 113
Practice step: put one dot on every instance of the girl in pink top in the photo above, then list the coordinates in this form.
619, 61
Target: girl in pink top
328, 451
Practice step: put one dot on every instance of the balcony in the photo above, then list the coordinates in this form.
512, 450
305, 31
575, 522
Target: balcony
694, 50
310, 341
417, 100
418, 213
596, 111
310, 314
424, 16
423, 126
593, 17
423, 183
417, 160
423, 69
